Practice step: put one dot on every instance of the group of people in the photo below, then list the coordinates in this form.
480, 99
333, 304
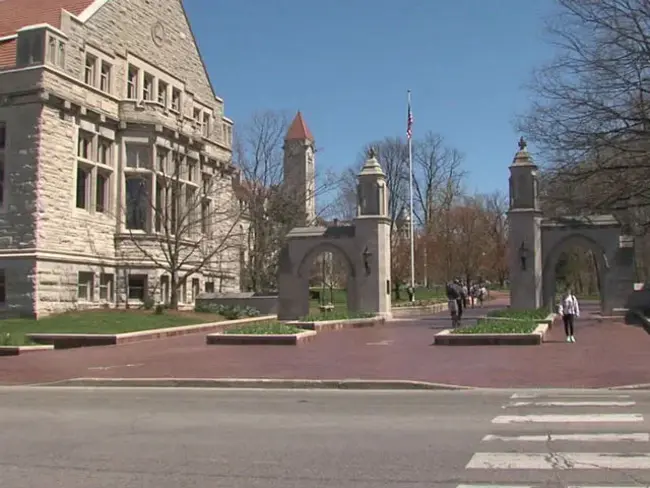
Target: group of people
458, 296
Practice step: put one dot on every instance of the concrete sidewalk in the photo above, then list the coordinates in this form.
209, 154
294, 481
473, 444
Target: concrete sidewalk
606, 354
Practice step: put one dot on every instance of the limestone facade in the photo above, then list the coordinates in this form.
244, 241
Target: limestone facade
110, 131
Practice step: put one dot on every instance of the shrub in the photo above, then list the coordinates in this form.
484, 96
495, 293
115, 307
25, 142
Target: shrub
160, 309
229, 312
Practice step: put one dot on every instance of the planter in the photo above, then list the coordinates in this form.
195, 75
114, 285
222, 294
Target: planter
402, 312
449, 338
220, 338
18, 350
339, 324
68, 341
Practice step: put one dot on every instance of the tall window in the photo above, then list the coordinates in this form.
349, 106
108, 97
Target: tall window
106, 286
136, 202
83, 181
85, 286
162, 93
147, 87
101, 195
94, 172
132, 83
206, 125
162, 157
160, 206
105, 77
90, 70
176, 99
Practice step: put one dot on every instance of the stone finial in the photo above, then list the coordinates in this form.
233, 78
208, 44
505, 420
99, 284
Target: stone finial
522, 143
372, 154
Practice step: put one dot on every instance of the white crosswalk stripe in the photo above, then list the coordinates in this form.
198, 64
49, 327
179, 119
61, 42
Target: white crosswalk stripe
578, 433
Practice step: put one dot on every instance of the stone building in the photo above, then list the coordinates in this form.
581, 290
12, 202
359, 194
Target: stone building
101, 102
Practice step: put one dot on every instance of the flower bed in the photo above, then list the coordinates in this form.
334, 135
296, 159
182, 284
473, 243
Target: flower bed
260, 333
494, 332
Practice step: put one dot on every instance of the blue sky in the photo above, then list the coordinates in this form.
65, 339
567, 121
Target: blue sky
347, 64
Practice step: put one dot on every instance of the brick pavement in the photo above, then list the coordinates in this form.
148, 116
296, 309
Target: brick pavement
606, 354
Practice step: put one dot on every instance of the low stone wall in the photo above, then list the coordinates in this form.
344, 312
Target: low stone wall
260, 339
267, 305
402, 312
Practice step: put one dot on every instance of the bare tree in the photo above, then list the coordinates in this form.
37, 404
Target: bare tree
496, 244
436, 184
181, 216
271, 208
591, 117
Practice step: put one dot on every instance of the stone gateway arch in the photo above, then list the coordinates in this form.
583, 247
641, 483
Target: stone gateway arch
536, 243
364, 247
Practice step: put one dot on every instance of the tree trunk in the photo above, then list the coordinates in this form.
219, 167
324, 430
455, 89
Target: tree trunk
173, 299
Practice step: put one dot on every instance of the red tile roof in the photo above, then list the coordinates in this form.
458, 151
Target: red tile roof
298, 130
15, 14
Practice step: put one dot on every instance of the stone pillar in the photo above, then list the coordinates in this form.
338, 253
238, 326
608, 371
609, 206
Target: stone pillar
372, 238
525, 234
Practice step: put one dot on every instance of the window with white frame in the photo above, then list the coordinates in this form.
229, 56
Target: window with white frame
176, 99
105, 76
161, 211
106, 287
162, 160
147, 87
94, 172
206, 125
196, 115
132, 83
85, 286
90, 70
55, 51
163, 88
192, 170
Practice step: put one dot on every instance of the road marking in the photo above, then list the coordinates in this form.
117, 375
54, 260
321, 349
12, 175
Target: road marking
571, 404
565, 395
558, 460
380, 343
640, 437
507, 486
105, 368
584, 418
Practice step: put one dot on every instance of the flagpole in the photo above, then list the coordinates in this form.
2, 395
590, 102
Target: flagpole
411, 207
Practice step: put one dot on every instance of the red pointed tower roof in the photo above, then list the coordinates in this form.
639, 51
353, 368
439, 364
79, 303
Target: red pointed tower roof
298, 130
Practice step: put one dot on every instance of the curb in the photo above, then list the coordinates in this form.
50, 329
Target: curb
222, 339
352, 384
19, 350
640, 386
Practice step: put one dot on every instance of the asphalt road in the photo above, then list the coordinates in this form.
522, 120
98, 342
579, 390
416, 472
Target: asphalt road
175, 438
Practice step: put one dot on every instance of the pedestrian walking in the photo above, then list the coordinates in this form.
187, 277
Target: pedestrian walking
569, 310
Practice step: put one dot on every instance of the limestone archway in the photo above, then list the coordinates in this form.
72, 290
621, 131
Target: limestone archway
305, 267
364, 247
551, 257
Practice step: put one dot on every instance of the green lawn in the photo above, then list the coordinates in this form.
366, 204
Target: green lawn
509, 313
264, 328
12, 331
338, 298
496, 327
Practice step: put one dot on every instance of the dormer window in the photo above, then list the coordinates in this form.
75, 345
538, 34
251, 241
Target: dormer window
206, 125
162, 93
176, 99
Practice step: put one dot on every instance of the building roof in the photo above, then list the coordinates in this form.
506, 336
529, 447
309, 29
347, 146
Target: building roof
298, 130
15, 14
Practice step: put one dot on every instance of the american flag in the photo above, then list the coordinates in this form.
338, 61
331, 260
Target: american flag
409, 123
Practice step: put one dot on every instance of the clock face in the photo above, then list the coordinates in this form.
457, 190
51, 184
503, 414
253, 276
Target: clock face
158, 34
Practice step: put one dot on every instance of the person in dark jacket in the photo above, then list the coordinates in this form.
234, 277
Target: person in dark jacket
455, 292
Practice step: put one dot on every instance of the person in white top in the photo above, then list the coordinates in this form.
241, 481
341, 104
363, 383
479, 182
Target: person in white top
569, 310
